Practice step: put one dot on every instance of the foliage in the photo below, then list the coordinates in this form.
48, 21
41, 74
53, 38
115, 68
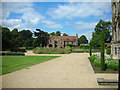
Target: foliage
110, 63
70, 45
84, 47
42, 37
102, 52
92, 58
90, 50
108, 51
14, 63
15, 53
104, 26
6, 38
83, 40
40, 50
58, 33
64, 34
52, 33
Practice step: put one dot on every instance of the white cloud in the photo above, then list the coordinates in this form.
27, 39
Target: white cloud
84, 25
87, 34
51, 24
79, 9
28, 14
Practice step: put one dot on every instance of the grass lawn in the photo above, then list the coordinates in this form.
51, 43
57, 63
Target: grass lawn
14, 63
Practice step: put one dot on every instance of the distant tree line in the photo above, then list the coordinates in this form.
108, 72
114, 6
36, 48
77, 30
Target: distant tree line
25, 38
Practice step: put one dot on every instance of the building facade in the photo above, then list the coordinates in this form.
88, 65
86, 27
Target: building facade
115, 43
62, 41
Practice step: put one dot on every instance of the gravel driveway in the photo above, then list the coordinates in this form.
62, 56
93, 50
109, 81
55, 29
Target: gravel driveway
68, 71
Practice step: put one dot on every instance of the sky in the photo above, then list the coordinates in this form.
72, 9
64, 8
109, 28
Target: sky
67, 17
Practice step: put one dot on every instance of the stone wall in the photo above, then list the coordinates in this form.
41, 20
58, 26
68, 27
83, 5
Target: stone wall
115, 43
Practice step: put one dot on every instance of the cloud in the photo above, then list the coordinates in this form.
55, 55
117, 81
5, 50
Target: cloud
28, 14
79, 9
84, 25
51, 25
87, 34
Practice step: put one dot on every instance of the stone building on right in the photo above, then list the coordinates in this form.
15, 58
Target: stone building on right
115, 43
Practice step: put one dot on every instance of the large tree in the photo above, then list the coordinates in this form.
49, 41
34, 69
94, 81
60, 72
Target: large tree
52, 33
6, 38
14, 38
58, 33
25, 38
83, 40
104, 26
42, 37
64, 34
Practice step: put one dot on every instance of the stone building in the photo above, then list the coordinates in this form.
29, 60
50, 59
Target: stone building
62, 41
115, 43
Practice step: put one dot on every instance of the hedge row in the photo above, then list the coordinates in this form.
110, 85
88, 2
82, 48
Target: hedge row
13, 53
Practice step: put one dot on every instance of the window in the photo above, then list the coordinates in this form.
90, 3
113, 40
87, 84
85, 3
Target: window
74, 40
115, 51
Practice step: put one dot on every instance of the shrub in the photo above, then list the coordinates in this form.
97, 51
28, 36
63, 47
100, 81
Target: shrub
108, 51
29, 48
14, 53
92, 58
40, 50
97, 63
112, 64
109, 63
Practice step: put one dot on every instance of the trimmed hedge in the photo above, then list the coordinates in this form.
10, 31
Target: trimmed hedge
15, 53
40, 50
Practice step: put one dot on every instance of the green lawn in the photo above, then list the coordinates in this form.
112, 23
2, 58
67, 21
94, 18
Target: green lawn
14, 63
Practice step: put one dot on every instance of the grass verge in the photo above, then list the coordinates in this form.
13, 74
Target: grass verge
14, 63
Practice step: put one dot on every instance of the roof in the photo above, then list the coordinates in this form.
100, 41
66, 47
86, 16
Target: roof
65, 37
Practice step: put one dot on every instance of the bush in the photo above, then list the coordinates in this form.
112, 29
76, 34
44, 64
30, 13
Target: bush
112, 64
109, 63
92, 58
29, 48
97, 63
14, 53
84, 47
108, 51
40, 50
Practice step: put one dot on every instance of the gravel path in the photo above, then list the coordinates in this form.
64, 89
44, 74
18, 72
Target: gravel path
67, 71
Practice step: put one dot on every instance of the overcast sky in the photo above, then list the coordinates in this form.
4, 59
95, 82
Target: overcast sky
69, 17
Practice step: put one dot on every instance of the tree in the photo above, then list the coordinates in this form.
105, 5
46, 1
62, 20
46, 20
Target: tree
58, 33
102, 51
104, 26
6, 38
14, 39
42, 37
90, 50
24, 37
83, 40
52, 33
64, 34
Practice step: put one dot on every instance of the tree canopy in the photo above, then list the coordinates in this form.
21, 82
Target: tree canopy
104, 26
58, 33
42, 37
83, 40
64, 34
